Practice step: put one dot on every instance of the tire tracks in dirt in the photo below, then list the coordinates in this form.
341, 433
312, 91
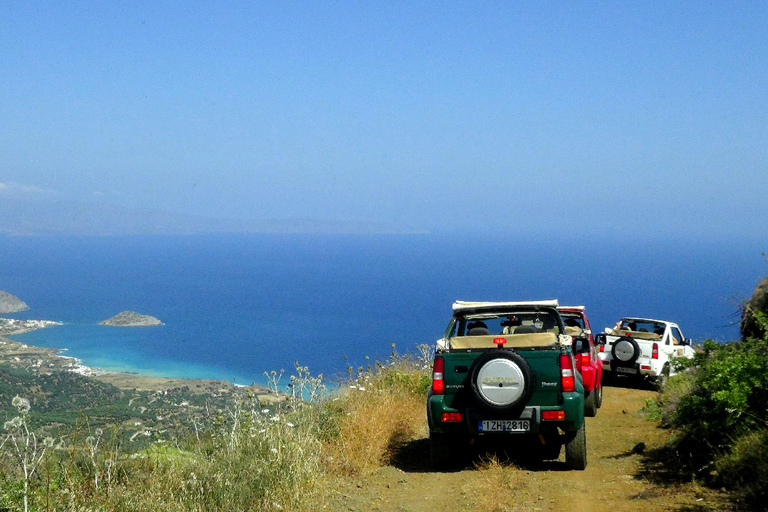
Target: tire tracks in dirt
624, 473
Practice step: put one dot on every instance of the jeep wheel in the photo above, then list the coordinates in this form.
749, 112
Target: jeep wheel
625, 351
502, 380
576, 450
590, 403
600, 393
447, 451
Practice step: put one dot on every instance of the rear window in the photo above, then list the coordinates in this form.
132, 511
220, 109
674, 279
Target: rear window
508, 322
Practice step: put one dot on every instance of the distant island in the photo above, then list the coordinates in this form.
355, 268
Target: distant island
131, 319
11, 303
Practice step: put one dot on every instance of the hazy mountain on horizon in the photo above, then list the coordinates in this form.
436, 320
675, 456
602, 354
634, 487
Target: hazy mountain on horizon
34, 217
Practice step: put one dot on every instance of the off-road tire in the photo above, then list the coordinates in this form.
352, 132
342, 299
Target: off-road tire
600, 392
590, 403
576, 450
509, 361
447, 451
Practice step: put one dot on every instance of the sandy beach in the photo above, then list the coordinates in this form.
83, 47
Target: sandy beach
48, 360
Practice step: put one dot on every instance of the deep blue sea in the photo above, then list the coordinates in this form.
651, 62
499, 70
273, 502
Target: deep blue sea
235, 306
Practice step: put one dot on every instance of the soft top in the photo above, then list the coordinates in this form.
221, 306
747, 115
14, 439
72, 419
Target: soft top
462, 305
574, 308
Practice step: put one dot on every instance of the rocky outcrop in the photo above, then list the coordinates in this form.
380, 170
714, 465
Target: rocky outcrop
759, 302
131, 319
11, 304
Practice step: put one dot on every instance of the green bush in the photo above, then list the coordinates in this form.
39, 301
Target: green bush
719, 408
745, 467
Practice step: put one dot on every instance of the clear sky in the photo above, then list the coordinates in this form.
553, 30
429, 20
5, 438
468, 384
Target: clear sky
501, 116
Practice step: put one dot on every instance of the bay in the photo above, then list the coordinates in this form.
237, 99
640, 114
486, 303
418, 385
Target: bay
236, 306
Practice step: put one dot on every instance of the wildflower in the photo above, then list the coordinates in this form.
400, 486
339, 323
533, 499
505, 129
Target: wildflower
48, 442
13, 424
22, 404
90, 441
275, 418
289, 424
265, 411
273, 450
361, 389
98, 432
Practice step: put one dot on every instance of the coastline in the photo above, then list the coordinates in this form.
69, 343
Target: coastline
44, 361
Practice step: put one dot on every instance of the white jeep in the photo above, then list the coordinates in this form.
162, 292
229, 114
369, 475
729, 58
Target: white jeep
643, 347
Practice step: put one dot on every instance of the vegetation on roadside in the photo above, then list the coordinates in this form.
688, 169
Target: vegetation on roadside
247, 453
719, 408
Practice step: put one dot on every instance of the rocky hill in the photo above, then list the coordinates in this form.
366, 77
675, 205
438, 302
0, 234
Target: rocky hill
131, 319
11, 304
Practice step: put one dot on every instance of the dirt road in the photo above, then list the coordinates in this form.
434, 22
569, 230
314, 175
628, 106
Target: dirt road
623, 473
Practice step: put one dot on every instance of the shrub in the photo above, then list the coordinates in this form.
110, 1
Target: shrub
745, 467
719, 408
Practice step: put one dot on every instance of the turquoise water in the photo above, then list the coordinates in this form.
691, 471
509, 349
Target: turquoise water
235, 306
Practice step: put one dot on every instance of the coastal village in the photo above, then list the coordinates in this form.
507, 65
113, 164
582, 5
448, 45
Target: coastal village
61, 389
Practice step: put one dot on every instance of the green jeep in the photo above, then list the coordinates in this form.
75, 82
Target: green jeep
505, 371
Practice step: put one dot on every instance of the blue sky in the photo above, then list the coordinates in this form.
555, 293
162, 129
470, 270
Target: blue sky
601, 117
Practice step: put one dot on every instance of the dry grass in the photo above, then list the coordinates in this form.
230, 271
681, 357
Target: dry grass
500, 487
372, 426
249, 458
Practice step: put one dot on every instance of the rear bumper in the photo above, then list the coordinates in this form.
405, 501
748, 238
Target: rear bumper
642, 368
572, 407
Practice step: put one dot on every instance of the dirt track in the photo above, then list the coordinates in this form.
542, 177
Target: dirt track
622, 474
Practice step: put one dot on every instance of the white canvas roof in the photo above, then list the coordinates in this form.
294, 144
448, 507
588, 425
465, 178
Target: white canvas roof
462, 305
577, 308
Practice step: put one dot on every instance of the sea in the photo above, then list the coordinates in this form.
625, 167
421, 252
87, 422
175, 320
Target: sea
237, 306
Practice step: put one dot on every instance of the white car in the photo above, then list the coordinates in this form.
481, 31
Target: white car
643, 347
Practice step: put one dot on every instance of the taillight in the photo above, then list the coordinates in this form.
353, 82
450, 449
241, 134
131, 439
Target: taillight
602, 348
452, 417
655, 353
438, 384
553, 415
567, 379
585, 359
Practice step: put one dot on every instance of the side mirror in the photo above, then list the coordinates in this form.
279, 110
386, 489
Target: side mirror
600, 339
578, 345
688, 341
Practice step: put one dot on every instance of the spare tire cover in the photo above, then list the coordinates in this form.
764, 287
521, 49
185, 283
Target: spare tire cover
502, 380
626, 350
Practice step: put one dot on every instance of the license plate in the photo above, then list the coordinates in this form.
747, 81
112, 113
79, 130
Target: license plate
622, 369
504, 426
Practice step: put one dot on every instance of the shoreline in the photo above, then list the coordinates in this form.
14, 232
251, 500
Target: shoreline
44, 361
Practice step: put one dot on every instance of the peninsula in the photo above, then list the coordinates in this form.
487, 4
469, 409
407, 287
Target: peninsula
11, 303
131, 319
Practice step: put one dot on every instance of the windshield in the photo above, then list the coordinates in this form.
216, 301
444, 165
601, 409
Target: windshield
635, 325
505, 322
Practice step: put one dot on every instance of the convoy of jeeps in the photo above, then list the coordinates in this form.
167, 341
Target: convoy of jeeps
522, 376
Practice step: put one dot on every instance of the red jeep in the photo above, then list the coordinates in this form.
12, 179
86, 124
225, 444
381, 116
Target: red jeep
585, 355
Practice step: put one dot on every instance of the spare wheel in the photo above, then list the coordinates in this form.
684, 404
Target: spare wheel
502, 380
625, 350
